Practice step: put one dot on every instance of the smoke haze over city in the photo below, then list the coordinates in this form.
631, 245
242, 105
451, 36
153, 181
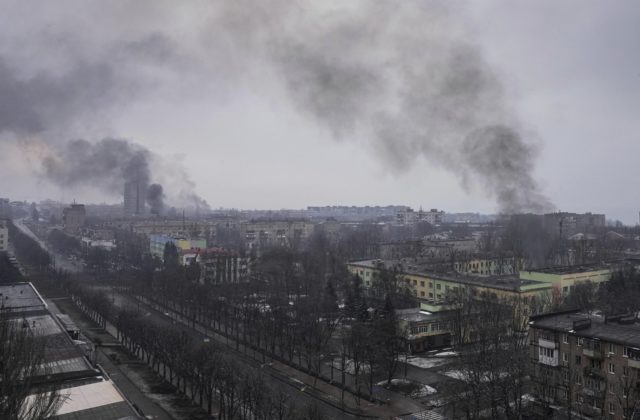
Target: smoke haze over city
280, 104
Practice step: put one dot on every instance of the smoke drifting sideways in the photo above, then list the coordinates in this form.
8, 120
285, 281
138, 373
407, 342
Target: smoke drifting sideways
406, 77
108, 164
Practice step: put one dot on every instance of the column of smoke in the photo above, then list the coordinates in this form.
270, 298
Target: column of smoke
31, 109
109, 164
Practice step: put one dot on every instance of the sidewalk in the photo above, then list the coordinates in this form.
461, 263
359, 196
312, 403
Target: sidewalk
150, 409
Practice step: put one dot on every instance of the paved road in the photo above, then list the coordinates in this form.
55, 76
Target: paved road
301, 395
59, 260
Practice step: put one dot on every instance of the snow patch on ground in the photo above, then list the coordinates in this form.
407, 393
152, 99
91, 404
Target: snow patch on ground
425, 363
446, 354
409, 388
349, 366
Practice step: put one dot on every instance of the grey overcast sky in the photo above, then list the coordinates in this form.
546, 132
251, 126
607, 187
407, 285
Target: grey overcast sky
464, 106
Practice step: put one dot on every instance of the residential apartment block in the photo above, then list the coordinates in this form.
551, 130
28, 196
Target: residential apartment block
4, 235
586, 363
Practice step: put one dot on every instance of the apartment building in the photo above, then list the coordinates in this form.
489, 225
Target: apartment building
4, 235
586, 363
158, 242
564, 279
432, 287
261, 233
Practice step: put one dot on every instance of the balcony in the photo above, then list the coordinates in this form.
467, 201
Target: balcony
593, 372
549, 361
634, 363
546, 343
593, 353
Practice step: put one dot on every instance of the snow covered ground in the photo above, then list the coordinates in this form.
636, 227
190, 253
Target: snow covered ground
425, 362
411, 389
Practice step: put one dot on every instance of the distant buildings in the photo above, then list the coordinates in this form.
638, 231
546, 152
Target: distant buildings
4, 236
73, 218
135, 194
568, 224
588, 364
263, 233
217, 265
408, 216
355, 213
158, 242
5, 208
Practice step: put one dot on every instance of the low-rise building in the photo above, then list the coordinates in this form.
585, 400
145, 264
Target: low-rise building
563, 279
431, 288
586, 363
158, 242
217, 265
424, 330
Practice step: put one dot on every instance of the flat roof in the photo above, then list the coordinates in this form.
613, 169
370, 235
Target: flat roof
21, 297
98, 399
626, 334
418, 315
28, 310
574, 269
509, 282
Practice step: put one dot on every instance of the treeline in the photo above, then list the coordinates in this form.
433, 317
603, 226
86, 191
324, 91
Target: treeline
28, 250
205, 372
289, 311
64, 243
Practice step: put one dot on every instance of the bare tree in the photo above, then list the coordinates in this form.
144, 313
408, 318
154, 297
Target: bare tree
22, 361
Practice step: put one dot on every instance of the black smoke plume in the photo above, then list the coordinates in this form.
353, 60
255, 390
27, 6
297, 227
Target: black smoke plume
155, 198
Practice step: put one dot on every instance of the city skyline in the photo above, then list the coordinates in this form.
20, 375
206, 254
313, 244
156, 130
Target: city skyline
243, 142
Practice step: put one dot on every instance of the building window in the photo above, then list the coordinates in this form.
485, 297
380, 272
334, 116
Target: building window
565, 375
415, 282
431, 284
545, 352
438, 286
578, 360
612, 408
625, 371
422, 284
612, 368
579, 379
431, 295
565, 338
565, 357
422, 293
612, 348
580, 341
612, 388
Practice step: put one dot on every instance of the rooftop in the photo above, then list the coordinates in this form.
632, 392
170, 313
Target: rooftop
418, 315
495, 282
21, 297
599, 327
575, 268
89, 395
